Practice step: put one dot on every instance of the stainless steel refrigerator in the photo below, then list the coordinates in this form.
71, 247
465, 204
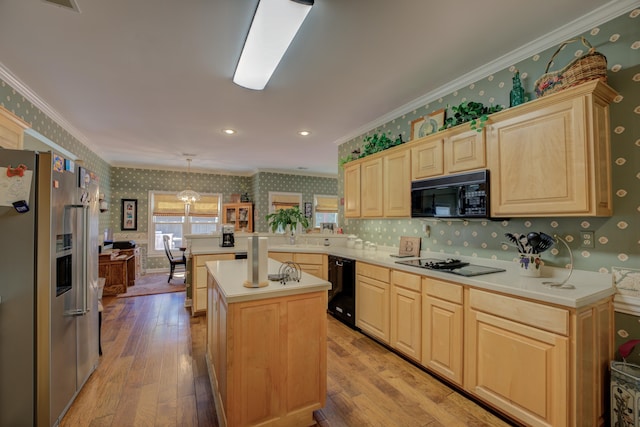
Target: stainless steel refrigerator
48, 285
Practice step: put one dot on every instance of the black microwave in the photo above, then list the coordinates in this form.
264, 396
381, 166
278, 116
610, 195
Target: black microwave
464, 195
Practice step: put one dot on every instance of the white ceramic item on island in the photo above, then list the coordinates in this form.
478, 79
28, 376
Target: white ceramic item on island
530, 265
351, 240
358, 244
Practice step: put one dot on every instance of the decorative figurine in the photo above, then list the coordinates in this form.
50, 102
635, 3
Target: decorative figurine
516, 96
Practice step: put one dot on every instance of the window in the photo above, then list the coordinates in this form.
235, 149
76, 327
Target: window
169, 216
325, 209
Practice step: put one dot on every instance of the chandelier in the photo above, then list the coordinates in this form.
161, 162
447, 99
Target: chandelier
188, 196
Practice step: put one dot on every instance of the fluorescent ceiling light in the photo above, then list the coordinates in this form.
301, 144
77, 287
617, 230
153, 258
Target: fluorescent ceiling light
274, 26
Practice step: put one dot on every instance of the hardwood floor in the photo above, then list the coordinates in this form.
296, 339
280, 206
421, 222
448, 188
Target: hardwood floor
153, 373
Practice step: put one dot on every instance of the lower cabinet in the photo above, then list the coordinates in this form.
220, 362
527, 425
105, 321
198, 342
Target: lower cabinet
314, 264
267, 358
199, 280
543, 365
372, 300
538, 363
442, 326
406, 314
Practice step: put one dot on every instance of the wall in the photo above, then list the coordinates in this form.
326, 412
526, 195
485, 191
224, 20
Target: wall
46, 126
617, 237
131, 183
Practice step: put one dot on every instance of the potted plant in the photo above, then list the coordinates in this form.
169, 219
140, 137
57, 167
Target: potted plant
474, 112
290, 217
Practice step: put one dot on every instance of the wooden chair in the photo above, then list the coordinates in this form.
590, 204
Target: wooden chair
173, 261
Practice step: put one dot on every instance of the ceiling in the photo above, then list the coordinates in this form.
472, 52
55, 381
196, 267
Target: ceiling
147, 83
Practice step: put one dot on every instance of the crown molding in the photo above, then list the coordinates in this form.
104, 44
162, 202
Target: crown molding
584, 23
31, 96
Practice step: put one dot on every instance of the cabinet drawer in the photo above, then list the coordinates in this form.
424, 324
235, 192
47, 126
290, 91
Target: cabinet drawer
373, 271
406, 280
540, 316
308, 258
201, 260
281, 256
443, 290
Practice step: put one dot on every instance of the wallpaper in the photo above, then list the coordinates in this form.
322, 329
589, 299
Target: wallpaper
131, 183
617, 238
44, 125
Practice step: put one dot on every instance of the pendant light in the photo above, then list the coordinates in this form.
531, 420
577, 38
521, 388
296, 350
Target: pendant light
188, 196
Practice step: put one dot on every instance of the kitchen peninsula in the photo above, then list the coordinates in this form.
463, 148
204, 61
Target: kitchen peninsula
266, 347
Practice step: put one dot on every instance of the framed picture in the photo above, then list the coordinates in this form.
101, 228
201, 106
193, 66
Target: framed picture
416, 127
328, 227
308, 209
433, 122
129, 214
427, 125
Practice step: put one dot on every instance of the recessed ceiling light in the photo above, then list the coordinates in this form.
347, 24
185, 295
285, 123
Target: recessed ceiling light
304, 133
229, 131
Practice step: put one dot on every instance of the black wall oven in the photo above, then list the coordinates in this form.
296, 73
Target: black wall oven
463, 195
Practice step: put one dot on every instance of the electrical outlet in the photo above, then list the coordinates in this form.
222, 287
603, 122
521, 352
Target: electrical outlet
586, 239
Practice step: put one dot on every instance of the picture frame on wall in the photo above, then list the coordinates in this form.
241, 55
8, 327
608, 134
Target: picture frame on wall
129, 214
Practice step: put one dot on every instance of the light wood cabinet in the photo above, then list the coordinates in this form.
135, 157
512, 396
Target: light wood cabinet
427, 157
543, 365
372, 300
267, 358
240, 215
551, 156
314, 264
371, 186
199, 283
443, 327
464, 150
455, 150
352, 191
397, 184
379, 185
11, 130
406, 314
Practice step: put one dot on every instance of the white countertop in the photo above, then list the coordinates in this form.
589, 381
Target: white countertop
589, 286
230, 276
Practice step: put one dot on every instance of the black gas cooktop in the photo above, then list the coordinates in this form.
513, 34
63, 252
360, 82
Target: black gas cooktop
451, 265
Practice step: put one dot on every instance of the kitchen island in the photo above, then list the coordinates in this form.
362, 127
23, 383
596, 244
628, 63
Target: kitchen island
266, 347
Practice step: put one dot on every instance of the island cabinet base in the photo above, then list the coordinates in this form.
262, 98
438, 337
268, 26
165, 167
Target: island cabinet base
267, 358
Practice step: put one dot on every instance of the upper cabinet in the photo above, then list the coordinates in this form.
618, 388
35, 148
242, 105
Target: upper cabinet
456, 150
11, 130
551, 156
352, 190
379, 185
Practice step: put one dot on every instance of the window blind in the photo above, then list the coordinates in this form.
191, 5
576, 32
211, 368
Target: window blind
169, 205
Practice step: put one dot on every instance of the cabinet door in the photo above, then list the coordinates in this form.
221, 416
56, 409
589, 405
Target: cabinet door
539, 162
372, 307
199, 284
11, 130
352, 191
464, 151
406, 316
519, 369
442, 337
371, 189
397, 184
427, 159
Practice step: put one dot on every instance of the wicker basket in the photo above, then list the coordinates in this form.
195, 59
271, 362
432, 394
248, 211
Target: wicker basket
590, 66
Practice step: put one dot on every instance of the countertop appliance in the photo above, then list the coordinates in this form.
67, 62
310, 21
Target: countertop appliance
451, 265
342, 295
49, 289
226, 236
464, 195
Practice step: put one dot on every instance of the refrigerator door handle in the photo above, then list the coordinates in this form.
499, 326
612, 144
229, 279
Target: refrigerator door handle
81, 258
